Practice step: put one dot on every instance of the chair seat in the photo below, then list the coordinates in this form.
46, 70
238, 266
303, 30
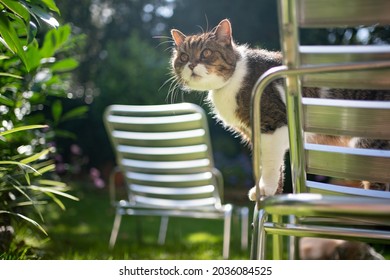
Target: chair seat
211, 211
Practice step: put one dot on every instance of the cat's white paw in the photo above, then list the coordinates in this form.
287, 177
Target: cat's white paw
265, 190
252, 194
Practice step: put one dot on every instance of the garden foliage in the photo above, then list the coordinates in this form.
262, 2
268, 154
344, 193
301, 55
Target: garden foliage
35, 69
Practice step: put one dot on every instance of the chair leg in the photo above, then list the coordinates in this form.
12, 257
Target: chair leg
262, 236
259, 236
163, 230
115, 230
277, 241
293, 248
226, 233
255, 234
244, 213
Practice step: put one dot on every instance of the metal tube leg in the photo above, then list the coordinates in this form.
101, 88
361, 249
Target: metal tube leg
244, 213
262, 242
115, 230
259, 236
277, 241
255, 234
293, 242
226, 233
163, 230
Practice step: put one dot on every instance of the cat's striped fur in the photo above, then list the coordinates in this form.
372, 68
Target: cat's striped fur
212, 61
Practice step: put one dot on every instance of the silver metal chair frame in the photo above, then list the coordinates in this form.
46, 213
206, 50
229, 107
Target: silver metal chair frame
323, 215
165, 154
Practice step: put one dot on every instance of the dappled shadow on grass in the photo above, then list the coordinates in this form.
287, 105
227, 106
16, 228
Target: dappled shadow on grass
83, 231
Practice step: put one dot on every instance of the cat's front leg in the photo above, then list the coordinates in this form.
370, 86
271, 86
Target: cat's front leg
273, 148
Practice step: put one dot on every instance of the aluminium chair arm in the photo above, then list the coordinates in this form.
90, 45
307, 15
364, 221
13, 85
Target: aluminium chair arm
112, 185
219, 181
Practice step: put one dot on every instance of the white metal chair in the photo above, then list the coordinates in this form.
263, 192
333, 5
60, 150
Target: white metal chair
165, 154
318, 209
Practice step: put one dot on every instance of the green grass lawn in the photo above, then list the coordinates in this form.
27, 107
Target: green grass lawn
83, 231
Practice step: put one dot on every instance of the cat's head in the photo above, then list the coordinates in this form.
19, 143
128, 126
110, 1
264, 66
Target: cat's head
204, 61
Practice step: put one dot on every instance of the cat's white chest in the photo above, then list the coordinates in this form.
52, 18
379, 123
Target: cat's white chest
224, 100
225, 106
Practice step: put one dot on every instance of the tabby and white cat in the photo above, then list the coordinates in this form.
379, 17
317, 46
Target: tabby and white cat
211, 61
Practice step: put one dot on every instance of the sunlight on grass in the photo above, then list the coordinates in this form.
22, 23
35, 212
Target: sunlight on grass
203, 237
83, 231
82, 228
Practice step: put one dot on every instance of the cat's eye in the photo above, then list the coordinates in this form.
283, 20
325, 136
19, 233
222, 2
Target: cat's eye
206, 53
184, 57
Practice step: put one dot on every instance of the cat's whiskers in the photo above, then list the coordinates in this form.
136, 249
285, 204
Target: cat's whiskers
173, 90
174, 83
201, 28
167, 40
167, 81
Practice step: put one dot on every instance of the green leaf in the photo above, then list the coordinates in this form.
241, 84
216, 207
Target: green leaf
43, 164
52, 183
24, 218
45, 16
4, 43
54, 40
10, 162
6, 101
45, 169
65, 65
10, 75
31, 32
17, 8
30, 203
35, 157
26, 176
56, 200
29, 199
51, 5
13, 43
22, 128
54, 191
34, 57
56, 110
75, 113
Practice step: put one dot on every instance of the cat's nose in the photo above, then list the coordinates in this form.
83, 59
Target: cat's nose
192, 66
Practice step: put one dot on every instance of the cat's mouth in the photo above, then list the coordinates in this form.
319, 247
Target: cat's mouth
195, 76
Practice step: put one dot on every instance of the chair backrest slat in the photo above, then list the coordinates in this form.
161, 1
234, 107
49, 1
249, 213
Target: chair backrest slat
160, 139
326, 188
192, 152
327, 55
181, 166
369, 119
157, 123
348, 163
327, 13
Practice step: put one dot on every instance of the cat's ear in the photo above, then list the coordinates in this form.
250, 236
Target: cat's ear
177, 37
223, 32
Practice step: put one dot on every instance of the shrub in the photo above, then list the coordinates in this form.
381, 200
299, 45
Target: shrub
34, 80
